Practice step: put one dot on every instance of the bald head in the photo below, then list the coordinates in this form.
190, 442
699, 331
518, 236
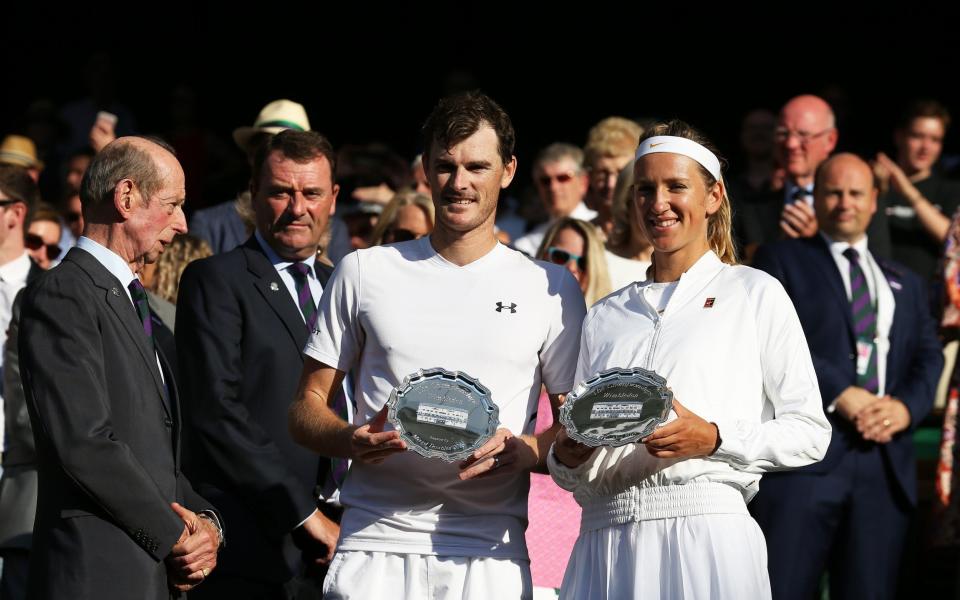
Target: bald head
147, 163
814, 107
806, 135
842, 162
845, 197
132, 196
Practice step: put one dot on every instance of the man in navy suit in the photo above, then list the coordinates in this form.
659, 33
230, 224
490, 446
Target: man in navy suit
878, 360
243, 319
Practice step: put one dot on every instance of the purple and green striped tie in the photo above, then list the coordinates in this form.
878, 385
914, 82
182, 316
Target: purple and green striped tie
308, 305
140, 302
864, 314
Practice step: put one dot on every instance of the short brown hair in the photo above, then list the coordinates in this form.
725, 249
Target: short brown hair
16, 184
925, 109
457, 117
298, 146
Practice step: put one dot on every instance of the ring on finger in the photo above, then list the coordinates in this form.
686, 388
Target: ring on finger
496, 462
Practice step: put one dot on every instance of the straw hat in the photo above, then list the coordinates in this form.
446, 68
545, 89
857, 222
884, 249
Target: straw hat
21, 151
274, 118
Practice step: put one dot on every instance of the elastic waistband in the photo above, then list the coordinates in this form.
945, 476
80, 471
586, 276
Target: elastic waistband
662, 502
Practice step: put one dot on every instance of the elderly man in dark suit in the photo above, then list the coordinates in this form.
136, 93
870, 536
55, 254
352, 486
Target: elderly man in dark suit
116, 518
243, 320
878, 361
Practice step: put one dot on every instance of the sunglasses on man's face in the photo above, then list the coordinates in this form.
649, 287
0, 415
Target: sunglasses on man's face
561, 178
35, 242
562, 257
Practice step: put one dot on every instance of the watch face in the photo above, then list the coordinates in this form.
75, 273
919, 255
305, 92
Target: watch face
443, 414
616, 407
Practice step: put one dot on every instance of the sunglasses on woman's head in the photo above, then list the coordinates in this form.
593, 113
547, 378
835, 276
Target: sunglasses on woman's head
562, 257
403, 235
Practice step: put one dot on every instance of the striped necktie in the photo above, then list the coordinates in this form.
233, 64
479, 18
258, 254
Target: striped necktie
864, 314
142, 305
308, 305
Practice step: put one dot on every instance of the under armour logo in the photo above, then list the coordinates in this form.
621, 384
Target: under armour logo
511, 307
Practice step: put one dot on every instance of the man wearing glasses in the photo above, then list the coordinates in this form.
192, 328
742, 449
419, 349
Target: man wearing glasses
562, 185
805, 136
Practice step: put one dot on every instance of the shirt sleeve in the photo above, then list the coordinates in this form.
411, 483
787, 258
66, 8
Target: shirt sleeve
793, 431
338, 337
558, 356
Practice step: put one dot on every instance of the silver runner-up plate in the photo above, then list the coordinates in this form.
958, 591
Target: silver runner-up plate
443, 414
616, 407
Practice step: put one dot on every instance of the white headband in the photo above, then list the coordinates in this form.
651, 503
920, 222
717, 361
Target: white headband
684, 147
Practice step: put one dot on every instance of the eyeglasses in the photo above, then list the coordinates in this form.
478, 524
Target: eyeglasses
782, 134
562, 257
545, 180
8, 202
35, 242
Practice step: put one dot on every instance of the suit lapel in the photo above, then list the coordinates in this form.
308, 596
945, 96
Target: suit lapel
274, 292
894, 277
174, 405
118, 301
831, 275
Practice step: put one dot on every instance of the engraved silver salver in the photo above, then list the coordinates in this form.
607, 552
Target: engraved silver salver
443, 414
616, 407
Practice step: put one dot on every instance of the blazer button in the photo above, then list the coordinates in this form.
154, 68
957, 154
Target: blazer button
851, 356
169, 423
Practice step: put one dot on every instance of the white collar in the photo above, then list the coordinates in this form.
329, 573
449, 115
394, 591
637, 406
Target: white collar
16, 270
279, 263
110, 260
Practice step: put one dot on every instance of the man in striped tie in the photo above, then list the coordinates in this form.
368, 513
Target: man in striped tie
878, 361
112, 519
243, 319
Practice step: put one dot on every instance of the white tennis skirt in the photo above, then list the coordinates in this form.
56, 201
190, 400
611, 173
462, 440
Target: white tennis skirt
701, 557
358, 575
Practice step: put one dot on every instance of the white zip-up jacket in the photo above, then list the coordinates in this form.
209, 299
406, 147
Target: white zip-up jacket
732, 350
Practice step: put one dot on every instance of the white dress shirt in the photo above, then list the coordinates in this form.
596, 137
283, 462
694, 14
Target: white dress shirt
120, 269
13, 278
880, 294
283, 265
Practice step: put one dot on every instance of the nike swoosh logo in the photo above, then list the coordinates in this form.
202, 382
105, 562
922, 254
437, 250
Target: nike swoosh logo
657, 144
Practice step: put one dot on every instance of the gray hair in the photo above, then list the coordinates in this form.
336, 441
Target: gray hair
557, 152
119, 160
